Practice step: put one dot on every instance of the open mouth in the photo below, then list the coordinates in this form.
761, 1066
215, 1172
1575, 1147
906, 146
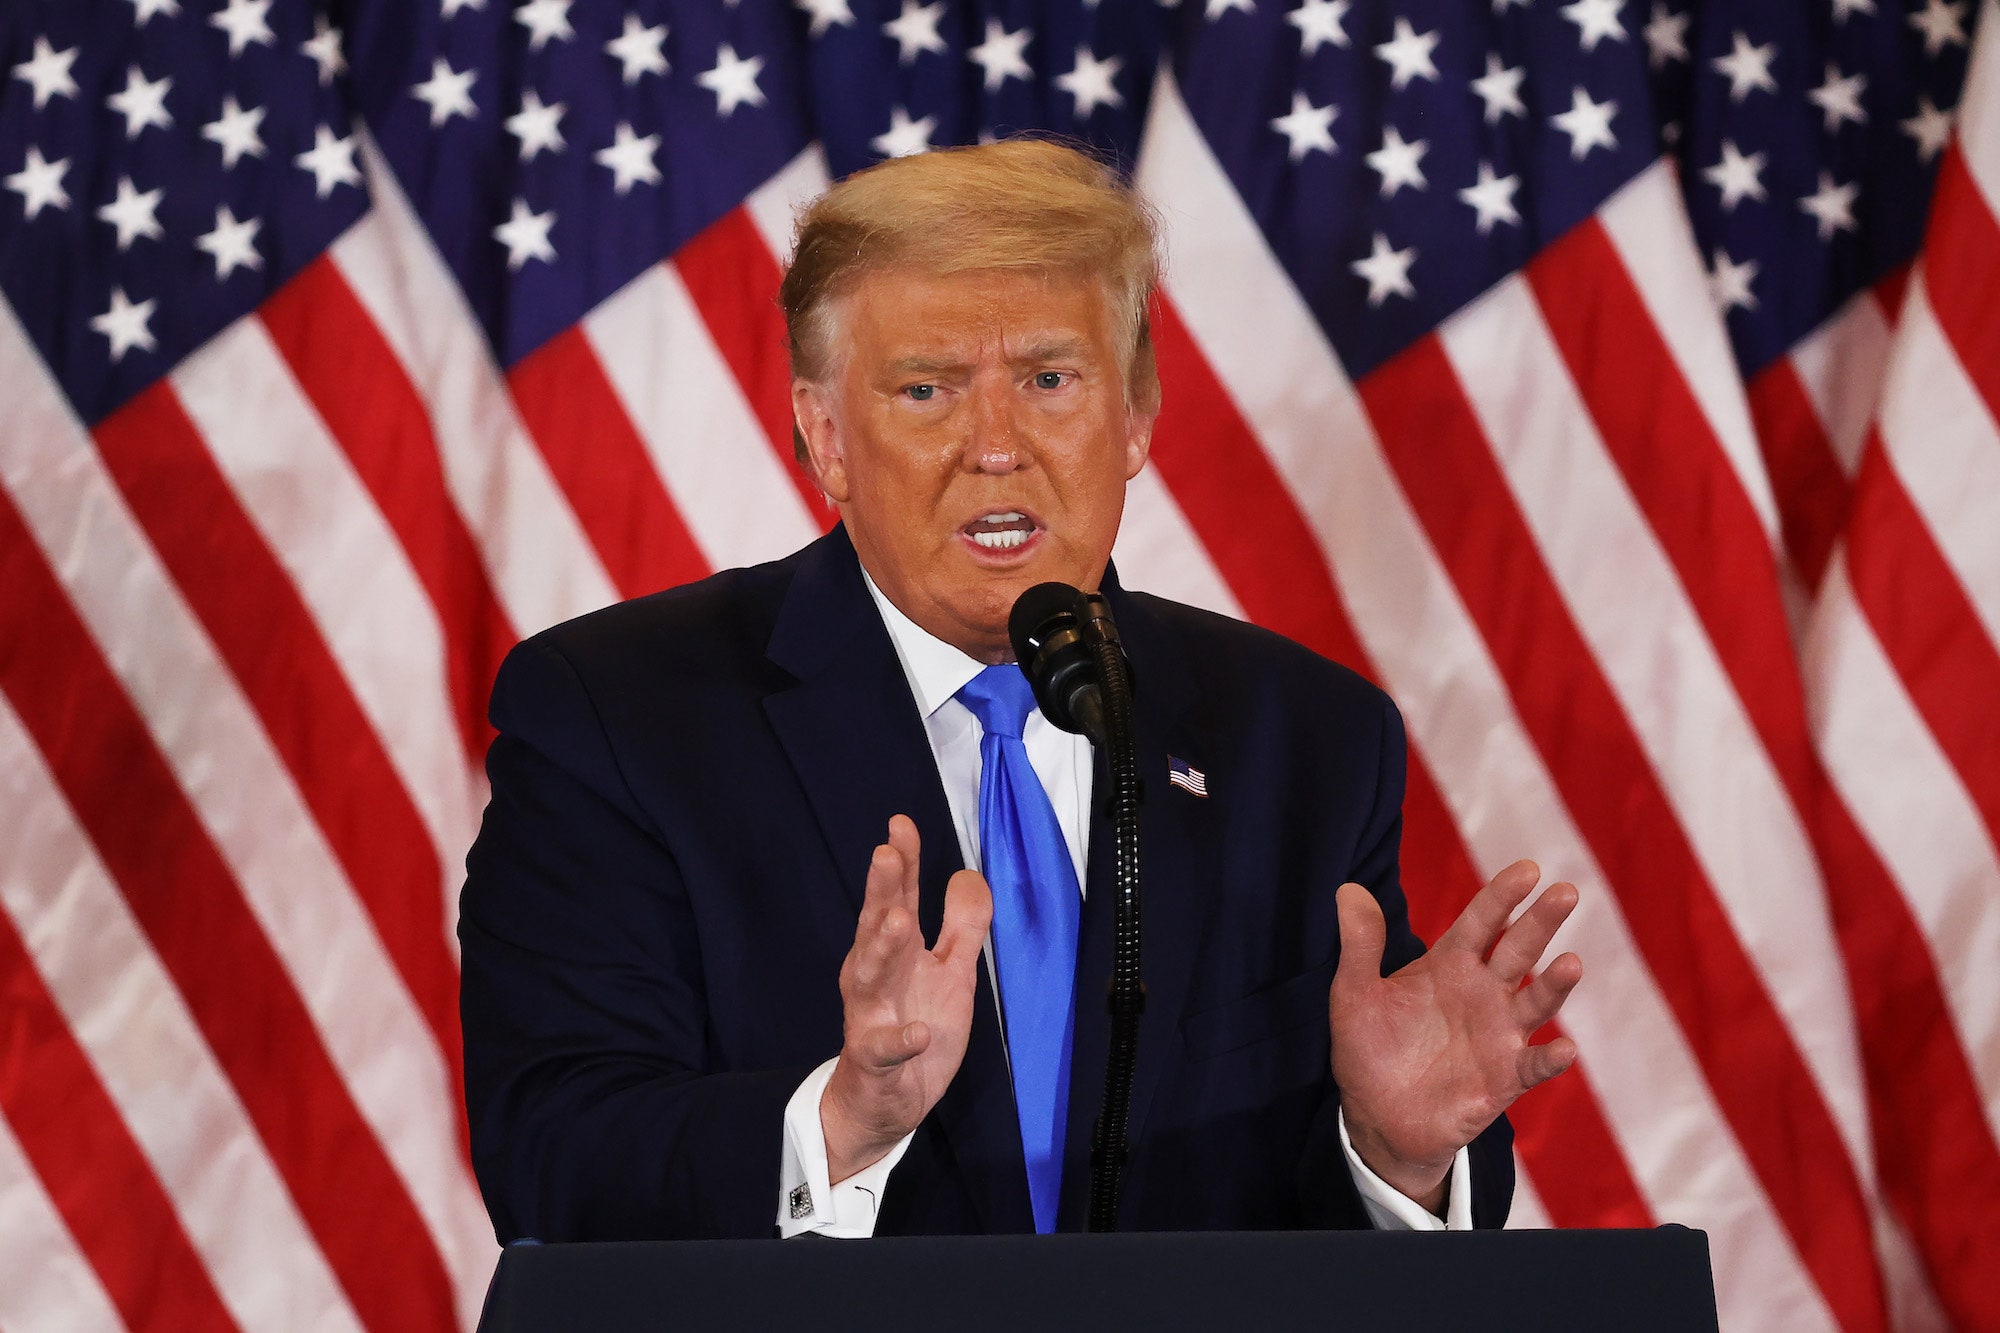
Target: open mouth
1002, 530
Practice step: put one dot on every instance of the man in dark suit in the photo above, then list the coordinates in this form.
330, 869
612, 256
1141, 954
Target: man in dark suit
724, 969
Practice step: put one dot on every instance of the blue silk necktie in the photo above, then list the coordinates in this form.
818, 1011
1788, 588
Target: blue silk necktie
1036, 905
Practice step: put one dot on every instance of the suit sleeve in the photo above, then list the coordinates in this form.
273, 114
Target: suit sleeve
1327, 1189
591, 1109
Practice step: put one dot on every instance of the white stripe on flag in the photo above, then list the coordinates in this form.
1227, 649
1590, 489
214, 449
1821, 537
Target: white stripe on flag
1159, 547
707, 445
774, 205
45, 1282
126, 1016
1839, 365
543, 568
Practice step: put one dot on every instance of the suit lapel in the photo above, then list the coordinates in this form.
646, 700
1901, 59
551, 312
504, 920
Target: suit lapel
1175, 893
853, 735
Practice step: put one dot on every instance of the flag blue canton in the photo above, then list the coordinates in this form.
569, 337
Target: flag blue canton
133, 131
171, 163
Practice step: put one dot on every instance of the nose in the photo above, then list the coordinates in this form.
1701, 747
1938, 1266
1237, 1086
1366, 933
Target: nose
998, 445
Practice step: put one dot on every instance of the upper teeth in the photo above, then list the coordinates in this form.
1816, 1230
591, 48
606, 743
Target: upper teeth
1009, 517
999, 540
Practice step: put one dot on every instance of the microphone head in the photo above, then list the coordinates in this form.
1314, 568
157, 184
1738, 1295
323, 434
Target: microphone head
1045, 627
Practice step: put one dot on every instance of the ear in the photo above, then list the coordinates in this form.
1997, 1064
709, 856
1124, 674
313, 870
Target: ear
812, 413
1138, 440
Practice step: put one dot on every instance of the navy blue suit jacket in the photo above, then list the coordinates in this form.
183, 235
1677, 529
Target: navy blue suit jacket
686, 790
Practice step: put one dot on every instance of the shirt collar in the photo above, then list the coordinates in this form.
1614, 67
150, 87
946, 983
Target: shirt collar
935, 669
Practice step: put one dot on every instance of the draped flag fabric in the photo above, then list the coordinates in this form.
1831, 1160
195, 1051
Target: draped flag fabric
1615, 381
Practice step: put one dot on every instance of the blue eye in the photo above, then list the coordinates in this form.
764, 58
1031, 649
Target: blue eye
922, 393
1049, 379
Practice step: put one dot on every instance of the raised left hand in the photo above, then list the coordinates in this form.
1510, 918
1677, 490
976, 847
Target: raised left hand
1430, 1056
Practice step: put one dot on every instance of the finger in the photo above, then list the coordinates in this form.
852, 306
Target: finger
883, 889
968, 914
886, 1047
1362, 934
1520, 948
1480, 924
903, 837
1541, 999
1539, 1064
881, 949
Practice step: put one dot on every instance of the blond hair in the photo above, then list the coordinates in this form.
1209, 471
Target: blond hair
1023, 204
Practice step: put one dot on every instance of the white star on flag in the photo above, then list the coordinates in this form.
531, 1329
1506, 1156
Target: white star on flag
1842, 9
145, 9
916, 30
47, 72
1587, 123
637, 49
1320, 23
447, 92
1666, 37
1387, 271
1399, 162
232, 244
1408, 54
1217, 8
1089, 83
1748, 67
40, 183
1003, 55
330, 160
246, 22
1736, 175
236, 132
1500, 89
323, 47
630, 159
545, 20
1729, 283
1942, 23
134, 213
1839, 99
733, 80
452, 7
142, 103
1930, 127
1832, 206
904, 137
1595, 20
125, 324
1493, 199
827, 14
526, 236
1308, 127
537, 126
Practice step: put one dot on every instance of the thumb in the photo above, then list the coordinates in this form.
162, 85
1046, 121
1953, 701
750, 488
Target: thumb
1362, 934
968, 913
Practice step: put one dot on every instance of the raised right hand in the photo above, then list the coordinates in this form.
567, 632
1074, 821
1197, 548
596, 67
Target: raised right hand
908, 1009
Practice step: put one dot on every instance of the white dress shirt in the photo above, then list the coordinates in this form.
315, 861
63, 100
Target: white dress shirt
936, 671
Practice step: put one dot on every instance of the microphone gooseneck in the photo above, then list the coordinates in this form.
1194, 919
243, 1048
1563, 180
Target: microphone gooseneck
1068, 645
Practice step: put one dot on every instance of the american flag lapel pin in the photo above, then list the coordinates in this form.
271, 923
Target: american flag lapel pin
1187, 777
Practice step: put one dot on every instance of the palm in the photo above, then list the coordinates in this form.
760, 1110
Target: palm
1428, 1057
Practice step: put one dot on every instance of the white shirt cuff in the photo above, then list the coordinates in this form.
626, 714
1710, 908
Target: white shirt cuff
807, 1200
1392, 1210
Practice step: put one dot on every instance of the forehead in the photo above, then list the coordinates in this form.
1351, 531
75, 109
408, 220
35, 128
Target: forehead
892, 311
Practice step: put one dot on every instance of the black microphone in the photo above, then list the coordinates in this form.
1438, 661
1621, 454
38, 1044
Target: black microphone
1068, 647
1055, 630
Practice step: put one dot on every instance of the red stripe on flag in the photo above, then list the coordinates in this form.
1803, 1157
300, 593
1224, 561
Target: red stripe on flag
267, 635
1664, 446
1928, 628
1812, 490
331, 345
95, 1174
597, 457
731, 274
1209, 458
1962, 275
1433, 440
185, 899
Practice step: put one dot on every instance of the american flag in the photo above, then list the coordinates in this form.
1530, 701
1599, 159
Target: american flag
1614, 381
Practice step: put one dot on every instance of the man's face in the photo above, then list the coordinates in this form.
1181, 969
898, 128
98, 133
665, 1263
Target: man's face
976, 438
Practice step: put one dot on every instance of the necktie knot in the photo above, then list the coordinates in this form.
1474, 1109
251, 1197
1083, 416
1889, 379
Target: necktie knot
1001, 698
